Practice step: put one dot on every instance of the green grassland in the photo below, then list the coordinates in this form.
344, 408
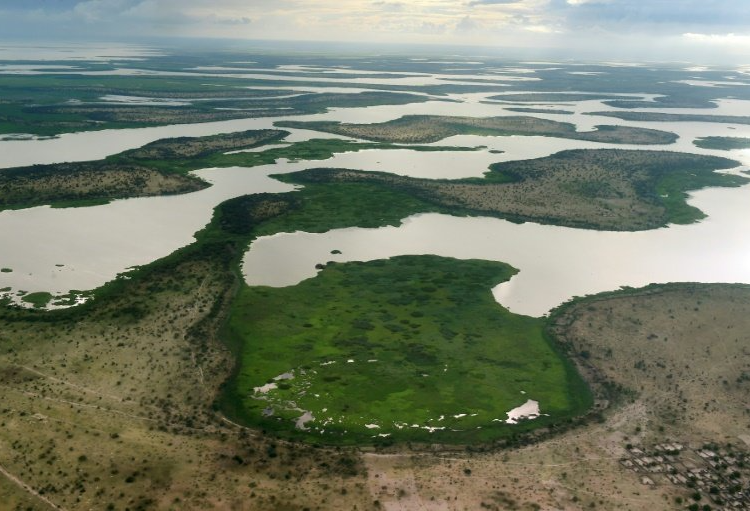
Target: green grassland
412, 129
395, 343
607, 189
723, 143
38, 300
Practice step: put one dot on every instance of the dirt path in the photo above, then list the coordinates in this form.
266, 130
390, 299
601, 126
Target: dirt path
28, 489
72, 385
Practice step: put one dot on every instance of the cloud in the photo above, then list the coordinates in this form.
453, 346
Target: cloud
493, 2
583, 2
390, 6
719, 39
98, 10
233, 21
673, 15
466, 25
576, 26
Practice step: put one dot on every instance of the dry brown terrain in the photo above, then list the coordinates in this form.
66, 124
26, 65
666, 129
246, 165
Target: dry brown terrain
694, 343
113, 410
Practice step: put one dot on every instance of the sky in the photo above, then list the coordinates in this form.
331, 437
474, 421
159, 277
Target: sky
689, 30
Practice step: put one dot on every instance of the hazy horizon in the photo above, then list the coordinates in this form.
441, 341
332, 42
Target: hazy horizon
709, 31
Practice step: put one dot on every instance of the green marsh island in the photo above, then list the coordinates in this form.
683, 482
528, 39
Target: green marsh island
411, 348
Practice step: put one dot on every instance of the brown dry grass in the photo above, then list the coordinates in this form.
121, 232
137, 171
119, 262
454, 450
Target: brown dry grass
115, 407
703, 338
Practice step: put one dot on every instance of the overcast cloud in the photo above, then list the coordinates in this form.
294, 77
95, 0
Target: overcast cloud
678, 29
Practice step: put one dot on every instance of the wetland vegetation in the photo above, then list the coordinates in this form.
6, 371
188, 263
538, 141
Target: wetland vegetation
384, 350
50, 105
161, 168
413, 129
598, 189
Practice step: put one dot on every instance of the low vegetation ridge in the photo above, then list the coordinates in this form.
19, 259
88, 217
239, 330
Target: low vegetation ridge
31, 108
667, 117
554, 97
413, 129
723, 143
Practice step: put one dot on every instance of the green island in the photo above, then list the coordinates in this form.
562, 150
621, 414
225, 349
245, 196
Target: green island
596, 189
551, 97
723, 143
120, 176
608, 189
161, 168
667, 117
539, 111
411, 348
38, 300
412, 129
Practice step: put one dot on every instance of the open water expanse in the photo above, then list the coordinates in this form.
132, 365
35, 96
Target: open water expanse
58, 250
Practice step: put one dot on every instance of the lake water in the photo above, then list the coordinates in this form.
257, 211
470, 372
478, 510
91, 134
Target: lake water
85, 247
555, 263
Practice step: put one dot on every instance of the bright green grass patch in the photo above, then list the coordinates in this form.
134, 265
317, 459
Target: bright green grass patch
415, 345
38, 300
324, 207
673, 188
723, 143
